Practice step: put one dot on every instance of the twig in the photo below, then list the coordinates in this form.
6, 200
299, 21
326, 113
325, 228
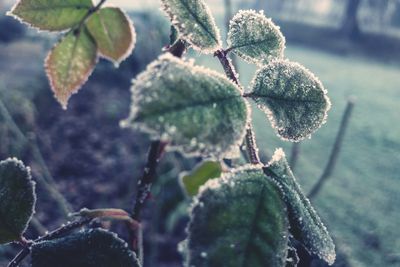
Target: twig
251, 145
156, 151
294, 156
88, 14
335, 150
59, 232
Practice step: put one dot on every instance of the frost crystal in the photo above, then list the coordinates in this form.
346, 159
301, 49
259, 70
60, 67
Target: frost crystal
255, 38
305, 224
195, 23
197, 110
293, 98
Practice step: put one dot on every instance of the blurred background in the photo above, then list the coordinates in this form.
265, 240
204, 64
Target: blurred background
81, 158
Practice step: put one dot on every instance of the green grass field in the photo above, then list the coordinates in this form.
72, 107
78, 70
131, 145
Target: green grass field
360, 203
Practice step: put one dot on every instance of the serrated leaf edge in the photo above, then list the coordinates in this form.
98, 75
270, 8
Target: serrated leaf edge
154, 135
178, 26
64, 102
275, 27
269, 113
19, 164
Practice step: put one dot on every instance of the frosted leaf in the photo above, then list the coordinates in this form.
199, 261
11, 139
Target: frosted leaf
198, 111
305, 224
70, 63
51, 15
238, 220
293, 98
195, 23
90, 248
17, 199
205, 171
254, 37
113, 32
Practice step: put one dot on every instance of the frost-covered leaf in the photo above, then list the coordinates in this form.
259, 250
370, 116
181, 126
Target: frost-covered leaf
51, 15
238, 220
200, 175
197, 110
305, 224
195, 23
254, 37
113, 32
17, 199
293, 98
70, 63
91, 248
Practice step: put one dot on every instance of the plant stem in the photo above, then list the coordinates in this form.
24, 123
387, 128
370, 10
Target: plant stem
229, 69
335, 150
88, 14
156, 151
59, 232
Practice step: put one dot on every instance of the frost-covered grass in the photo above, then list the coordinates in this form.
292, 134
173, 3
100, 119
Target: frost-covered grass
360, 202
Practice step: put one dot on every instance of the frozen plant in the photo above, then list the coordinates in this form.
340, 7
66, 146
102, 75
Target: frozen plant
241, 215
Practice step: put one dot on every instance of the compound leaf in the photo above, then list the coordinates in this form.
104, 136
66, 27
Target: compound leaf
90, 248
200, 175
254, 37
113, 32
196, 110
293, 98
195, 23
70, 63
238, 220
305, 224
51, 15
17, 199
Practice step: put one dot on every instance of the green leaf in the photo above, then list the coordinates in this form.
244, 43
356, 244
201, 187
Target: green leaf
17, 199
70, 63
305, 224
200, 175
198, 111
51, 15
195, 23
91, 248
293, 98
254, 37
238, 220
113, 32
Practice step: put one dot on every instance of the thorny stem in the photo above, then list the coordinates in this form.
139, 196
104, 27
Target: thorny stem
156, 151
59, 232
230, 73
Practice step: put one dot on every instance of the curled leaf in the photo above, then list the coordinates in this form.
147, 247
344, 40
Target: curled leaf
254, 37
51, 15
200, 175
17, 199
91, 248
196, 110
293, 98
238, 220
305, 224
70, 63
195, 23
113, 32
